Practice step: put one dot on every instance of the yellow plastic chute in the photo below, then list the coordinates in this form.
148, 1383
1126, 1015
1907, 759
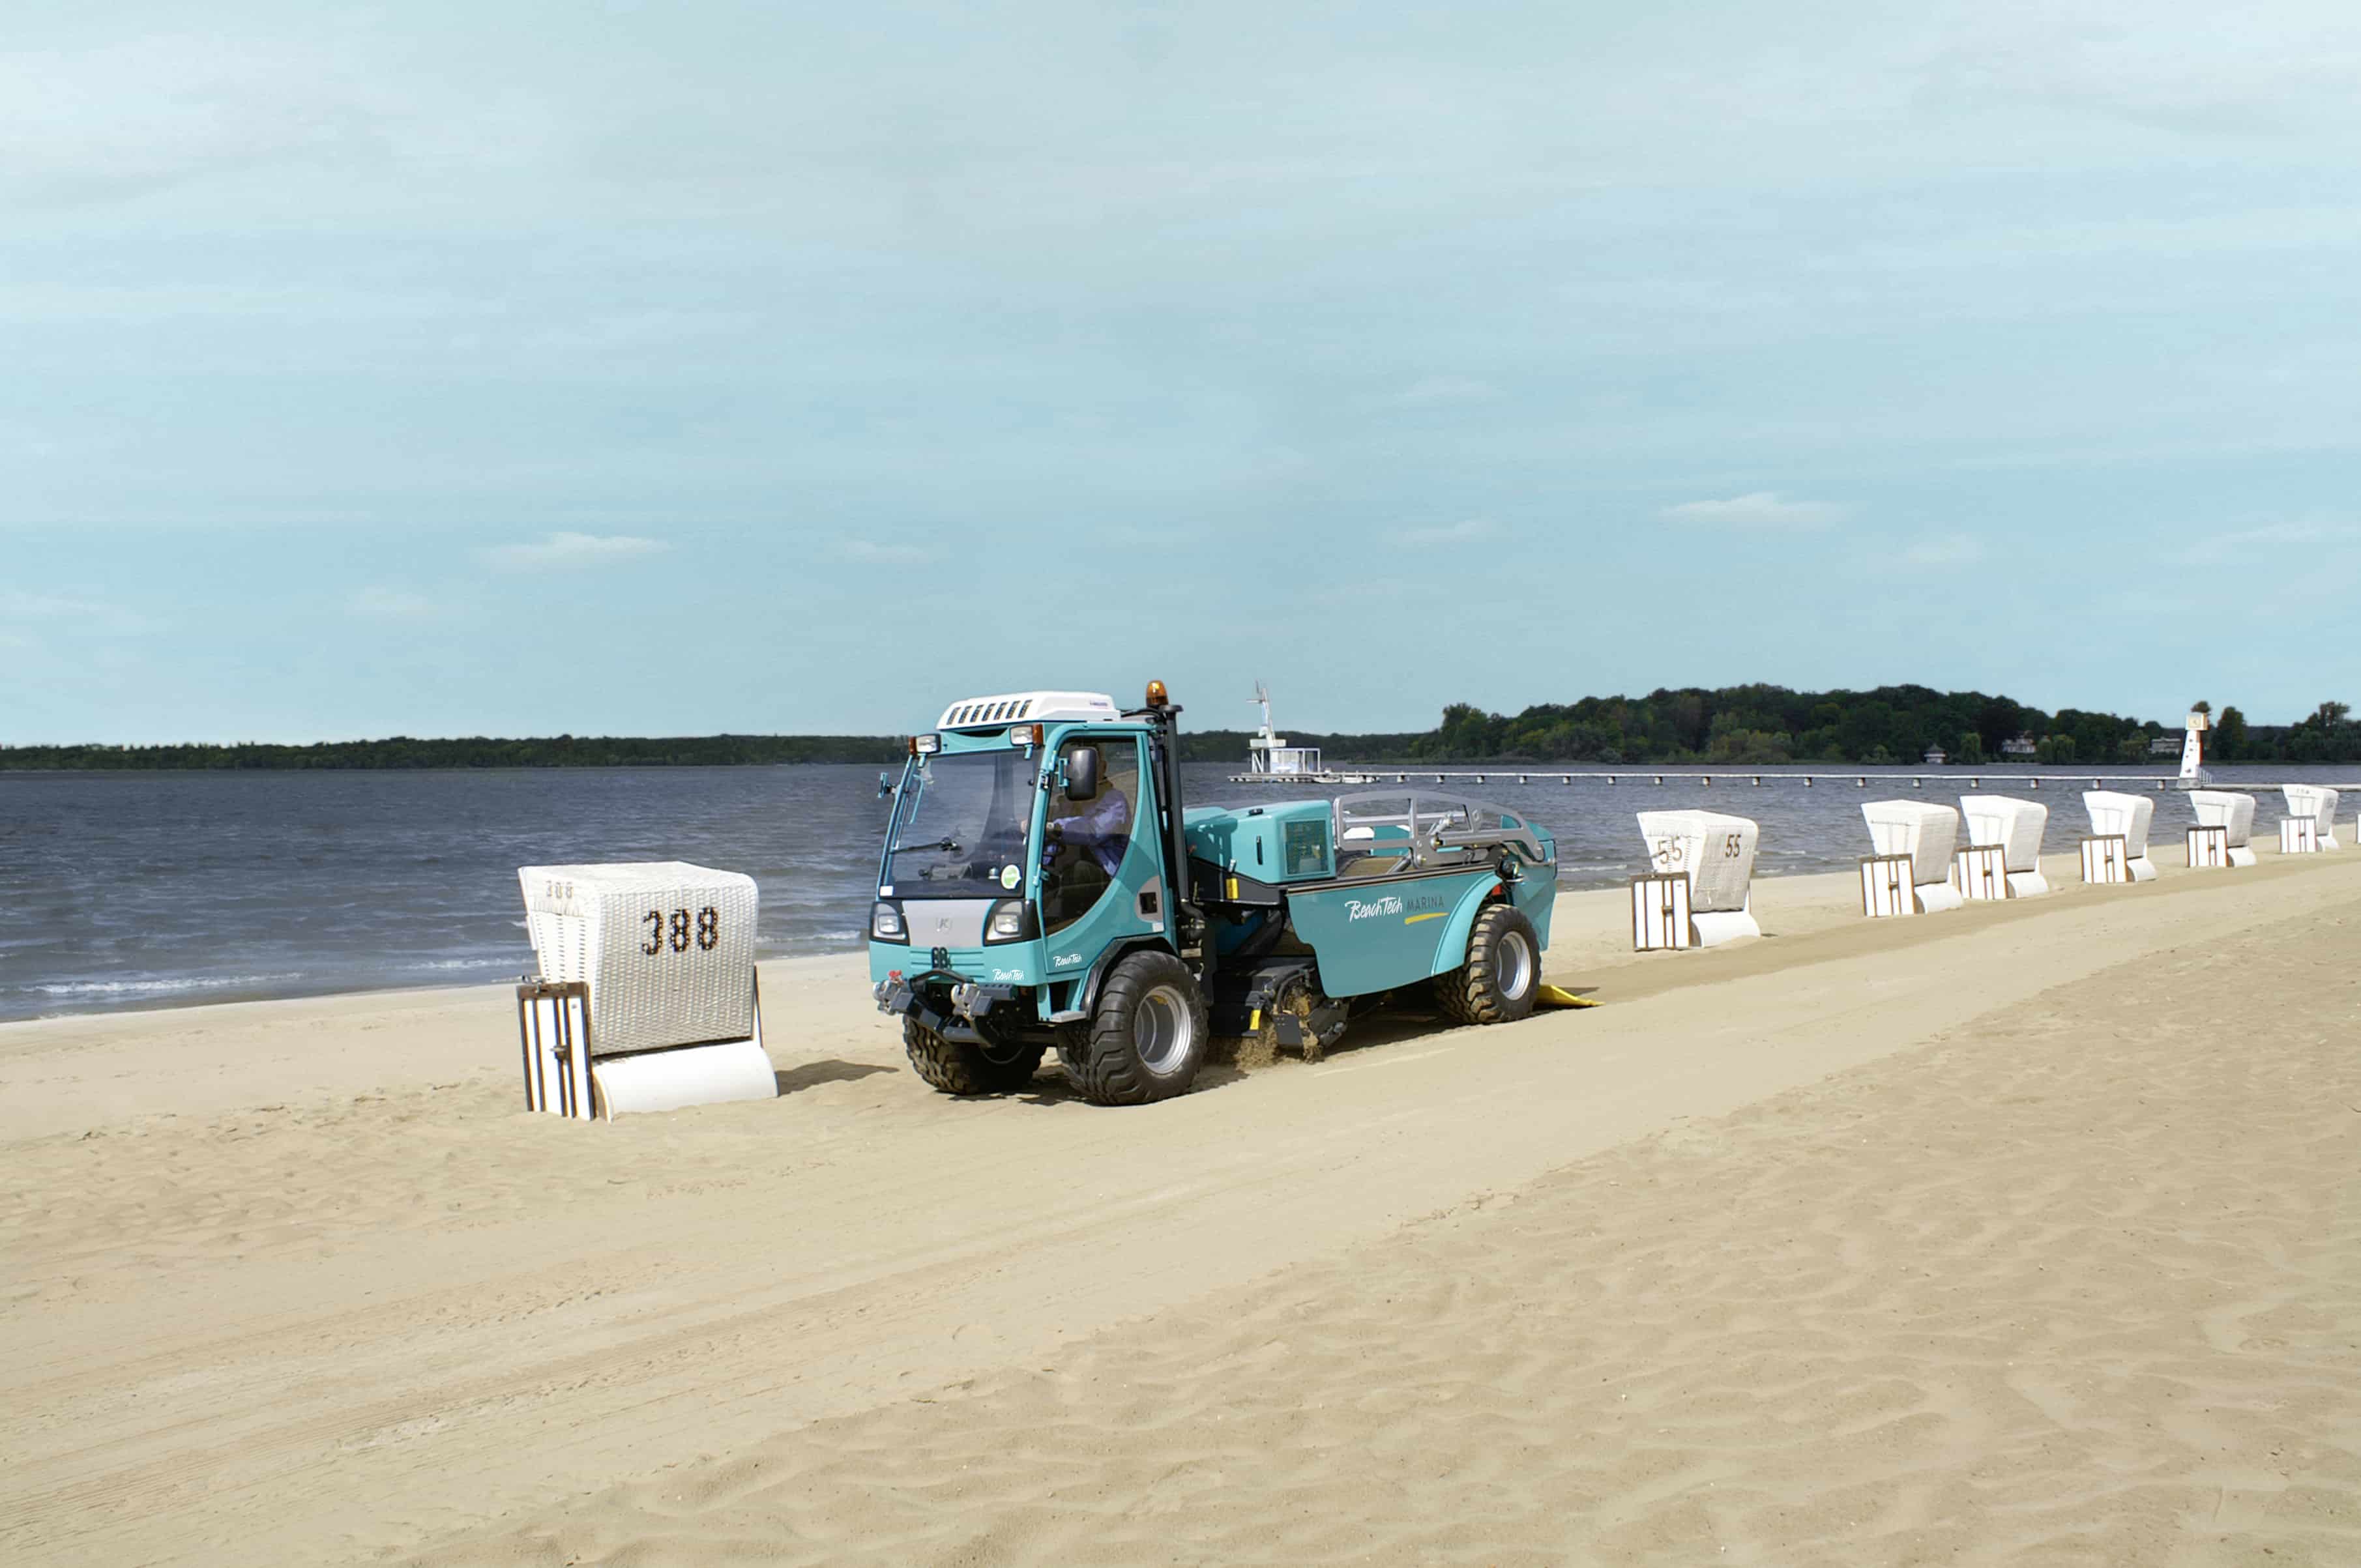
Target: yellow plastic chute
1558, 996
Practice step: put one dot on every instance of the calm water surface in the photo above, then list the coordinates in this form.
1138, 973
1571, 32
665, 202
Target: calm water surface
145, 890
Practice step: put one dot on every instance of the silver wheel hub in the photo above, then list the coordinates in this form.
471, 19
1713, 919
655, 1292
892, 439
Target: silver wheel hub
1514, 964
1164, 1031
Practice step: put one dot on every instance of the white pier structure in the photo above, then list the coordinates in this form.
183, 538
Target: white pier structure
1270, 754
645, 1000
1732, 778
1910, 870
1270, 759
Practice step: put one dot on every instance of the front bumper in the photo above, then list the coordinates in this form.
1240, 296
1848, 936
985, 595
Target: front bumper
1008, 963
954, 1006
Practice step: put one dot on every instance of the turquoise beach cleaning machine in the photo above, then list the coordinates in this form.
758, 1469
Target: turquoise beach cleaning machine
1043, 886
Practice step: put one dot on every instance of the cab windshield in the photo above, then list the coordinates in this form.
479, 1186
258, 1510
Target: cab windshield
959, 825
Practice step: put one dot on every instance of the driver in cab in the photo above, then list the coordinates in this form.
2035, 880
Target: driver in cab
1098, 827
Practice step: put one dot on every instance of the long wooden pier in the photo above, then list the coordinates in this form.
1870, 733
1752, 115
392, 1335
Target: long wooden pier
1741, 778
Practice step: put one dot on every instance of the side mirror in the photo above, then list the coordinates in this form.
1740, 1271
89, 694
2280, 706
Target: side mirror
1082, 773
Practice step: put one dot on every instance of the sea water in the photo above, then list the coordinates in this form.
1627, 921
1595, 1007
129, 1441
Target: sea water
157, 889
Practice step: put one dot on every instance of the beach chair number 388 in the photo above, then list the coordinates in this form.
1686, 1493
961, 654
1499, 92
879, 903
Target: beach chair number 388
675, 932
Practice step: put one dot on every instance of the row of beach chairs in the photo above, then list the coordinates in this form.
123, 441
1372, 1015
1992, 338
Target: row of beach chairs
1697, 891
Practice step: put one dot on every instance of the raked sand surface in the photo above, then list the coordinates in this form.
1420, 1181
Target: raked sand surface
2025, 1234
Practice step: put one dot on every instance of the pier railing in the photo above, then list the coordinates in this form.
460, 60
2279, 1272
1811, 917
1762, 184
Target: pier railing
1749, 778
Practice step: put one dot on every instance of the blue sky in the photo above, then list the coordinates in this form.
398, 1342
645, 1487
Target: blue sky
519, 368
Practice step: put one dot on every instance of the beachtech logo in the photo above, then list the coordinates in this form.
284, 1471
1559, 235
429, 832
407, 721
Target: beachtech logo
1357, 910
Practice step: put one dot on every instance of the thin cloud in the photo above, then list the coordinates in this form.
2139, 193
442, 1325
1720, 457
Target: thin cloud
149, 113
378, 602
1465, 532
1443, 389
569, 550
2221, 547
1756, 509
2263, 82
870, 551
1944, 550
68, 613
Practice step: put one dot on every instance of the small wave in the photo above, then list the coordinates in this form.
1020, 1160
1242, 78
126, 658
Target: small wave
438, 964
152, 987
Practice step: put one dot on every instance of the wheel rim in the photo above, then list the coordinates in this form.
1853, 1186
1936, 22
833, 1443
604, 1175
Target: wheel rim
1164, 1030
1515, 962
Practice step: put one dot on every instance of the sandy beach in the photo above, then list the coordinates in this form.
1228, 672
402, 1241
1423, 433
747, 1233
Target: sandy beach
2025, 1234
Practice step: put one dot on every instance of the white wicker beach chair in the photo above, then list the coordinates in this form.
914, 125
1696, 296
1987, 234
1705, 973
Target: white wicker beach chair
1925, 833
1717, 854
664, 951
2317, 801
2017, 825
2128, 817
2233, 813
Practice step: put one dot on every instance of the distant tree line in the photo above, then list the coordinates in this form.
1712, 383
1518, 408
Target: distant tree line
475, 751
1765, 724
1730, 725
2329, 735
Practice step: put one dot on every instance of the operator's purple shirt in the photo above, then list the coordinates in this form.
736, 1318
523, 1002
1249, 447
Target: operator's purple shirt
1101, 832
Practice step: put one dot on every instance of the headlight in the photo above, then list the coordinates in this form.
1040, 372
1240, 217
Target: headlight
885, 924
1011, 920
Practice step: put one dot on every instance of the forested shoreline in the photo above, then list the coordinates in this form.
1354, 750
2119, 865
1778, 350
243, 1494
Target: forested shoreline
401, 751
1765, 724
1732, 725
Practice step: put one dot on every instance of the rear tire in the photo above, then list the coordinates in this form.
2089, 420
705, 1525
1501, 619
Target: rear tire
957, 1068
1503, 976
1147, 1036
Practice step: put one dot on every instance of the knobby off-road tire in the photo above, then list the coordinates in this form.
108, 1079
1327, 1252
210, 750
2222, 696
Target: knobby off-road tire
957, 1068
1147, 1036
1073, 1048
1502, 975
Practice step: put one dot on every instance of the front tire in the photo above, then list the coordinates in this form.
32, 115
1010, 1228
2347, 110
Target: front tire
1147, 1036
1502, 977
957, 1068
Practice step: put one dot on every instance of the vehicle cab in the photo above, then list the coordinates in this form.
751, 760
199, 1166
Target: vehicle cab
1025, 844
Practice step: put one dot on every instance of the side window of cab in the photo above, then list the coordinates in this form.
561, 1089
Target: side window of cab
1082, 841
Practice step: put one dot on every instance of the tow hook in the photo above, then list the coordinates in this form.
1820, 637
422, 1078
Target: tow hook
963, 999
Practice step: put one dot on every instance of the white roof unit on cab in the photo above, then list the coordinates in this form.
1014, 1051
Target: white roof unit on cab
1029, 708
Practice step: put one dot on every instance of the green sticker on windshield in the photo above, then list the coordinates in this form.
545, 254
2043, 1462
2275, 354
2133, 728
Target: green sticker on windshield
1010, 876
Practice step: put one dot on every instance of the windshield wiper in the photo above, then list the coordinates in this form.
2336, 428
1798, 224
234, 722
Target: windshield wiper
950, 846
